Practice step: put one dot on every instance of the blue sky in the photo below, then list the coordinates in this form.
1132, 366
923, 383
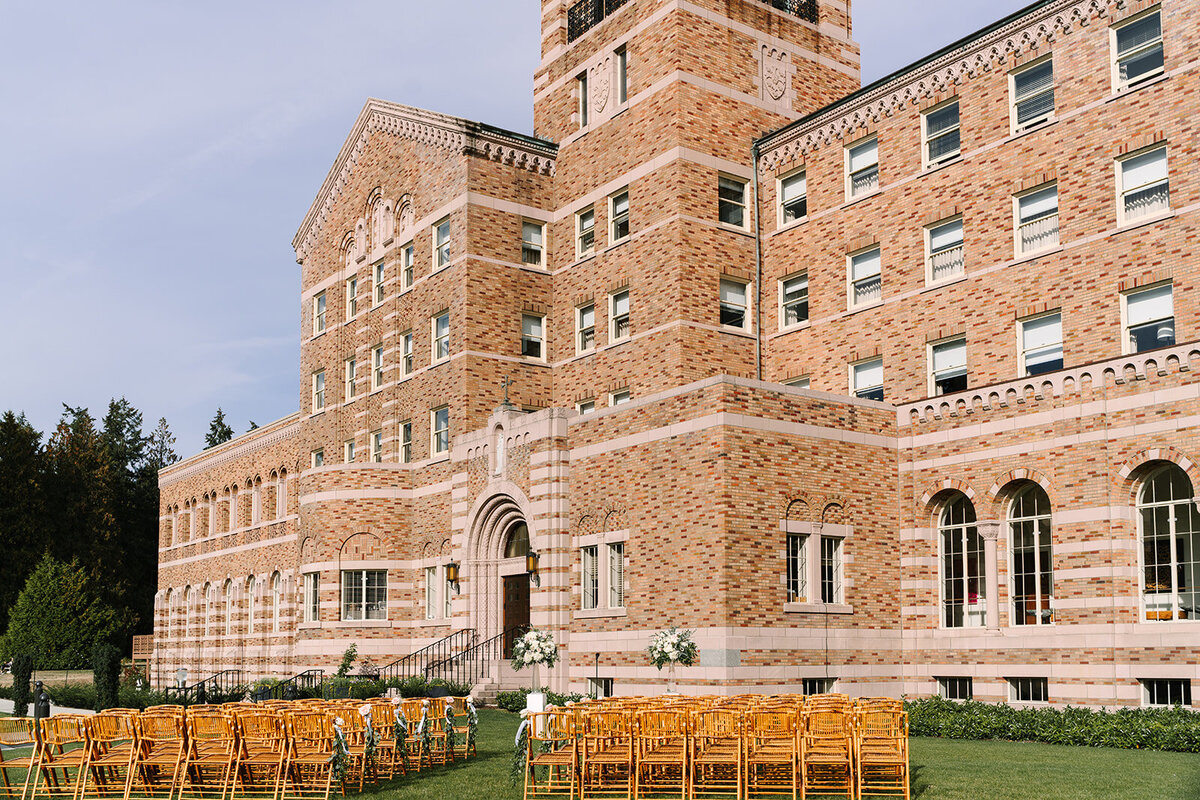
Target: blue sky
159, 157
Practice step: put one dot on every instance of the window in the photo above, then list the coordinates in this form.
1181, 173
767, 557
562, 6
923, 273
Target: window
797, 568
376, 367
228, 607
441, 244
948, 367
1167, 692
622, 55
731, 201
619, 397
317, 458
447, 594
817, 685
866, 280
1170, 530
793, 300
596, 585
585, 406
867, 379
1028, 690
533, 243
378, 284
618, 315
803, 382
440, 429
793, 198
616, 575
1032, 95
319, 314
964, 596
585, 327
1149, 318
1041, 344
406, 442
406, 354
600, 688
352, 298
406, 267
364, 594
941, 134
581, 93
318, 391
276, 601
1037, 220
351, 374
956, 688
312, 597
440, 327
862, 168
376, 446
944, 245
431, 593
1137, 50
831, 569
733, 304
1144, 186
533, 336
618, 216
585, 232
348, 451
590, 580
1032, 568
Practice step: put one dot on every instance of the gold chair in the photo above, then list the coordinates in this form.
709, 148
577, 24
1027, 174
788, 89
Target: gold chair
261, 754
772, 757
606, 753
17, 733
716, 758
415, 715
61, 757
551, 755
661, 752
158, 755
113, 741
881, 751
211, 756
388, 758
826, 753
309, 771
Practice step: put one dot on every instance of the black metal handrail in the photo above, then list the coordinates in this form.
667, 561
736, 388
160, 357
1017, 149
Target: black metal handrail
804, 9
415, 663
222, 684
471, 664
308, 681
587, 14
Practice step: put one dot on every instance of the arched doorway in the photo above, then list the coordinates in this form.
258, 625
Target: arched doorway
499, 541
515, 605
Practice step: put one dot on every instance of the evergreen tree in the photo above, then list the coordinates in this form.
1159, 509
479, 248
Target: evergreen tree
160, 452
22, 505
218, 431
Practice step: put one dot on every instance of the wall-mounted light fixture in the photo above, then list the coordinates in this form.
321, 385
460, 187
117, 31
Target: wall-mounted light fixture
452, 573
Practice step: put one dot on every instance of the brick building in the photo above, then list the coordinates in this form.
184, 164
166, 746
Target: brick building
887, 388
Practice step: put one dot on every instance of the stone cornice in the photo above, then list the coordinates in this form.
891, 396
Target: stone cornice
940, 74
232, 450
453, 134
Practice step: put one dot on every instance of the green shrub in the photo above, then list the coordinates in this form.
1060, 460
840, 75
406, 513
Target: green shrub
22, 670
348, 657
106, 672
72, 695
516, 699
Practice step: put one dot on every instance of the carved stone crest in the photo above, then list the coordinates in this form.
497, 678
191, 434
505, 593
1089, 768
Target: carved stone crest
775, 73
601, 85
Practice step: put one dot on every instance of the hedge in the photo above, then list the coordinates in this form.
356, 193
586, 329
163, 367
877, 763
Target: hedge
516, 699
1172, 729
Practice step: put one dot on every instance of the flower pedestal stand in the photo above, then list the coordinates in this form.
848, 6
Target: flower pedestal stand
672, 688
535, 701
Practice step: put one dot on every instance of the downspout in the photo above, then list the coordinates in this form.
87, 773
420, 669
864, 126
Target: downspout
757, 271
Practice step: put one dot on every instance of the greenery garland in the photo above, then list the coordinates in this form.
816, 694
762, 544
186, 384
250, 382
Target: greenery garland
516, 770
472, 726
448, 727
400, 732
425, 730
370, 740
340, 758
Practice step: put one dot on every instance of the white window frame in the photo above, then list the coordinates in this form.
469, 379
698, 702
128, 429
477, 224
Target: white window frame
1183, 685
1053, 240
1024, 352
406, 354
447, 594
1123, 217
781, 182
615, 319
585, 406
351, 377
1126, 328
603, 563
589, 577
799, 382
1033, 684
441, 243
376, 367
620, 397
933, 377
312, 596
959, 681
431, 592
540, 338
436, 341
407, 267
930, 254
926, 139
351, 297
723, 182
615, 556
365, 609
863, 170
1175, 599
318, 392
437, 434
348, 451
376, 438
582, 246
615, 217
860, 391
785, 304
378, 287
1116, 58
582, 343
317, 458
1014, 101
320, 309
581, 96
529, 246
276, 601
621, 59
852, 283
721, 304
819, 685
974, 614
1043, 603
406, 429
833, 587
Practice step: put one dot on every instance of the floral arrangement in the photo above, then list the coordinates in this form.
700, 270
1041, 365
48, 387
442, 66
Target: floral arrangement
672, 646
371, 739
535, 648
448, 728
472, 724
400, 732
340, 758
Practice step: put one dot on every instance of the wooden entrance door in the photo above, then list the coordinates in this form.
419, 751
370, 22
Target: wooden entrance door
516, 609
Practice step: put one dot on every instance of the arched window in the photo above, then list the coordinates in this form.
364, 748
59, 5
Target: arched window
281, 495
517, 545
228, 607
964, 594
1170, 530
256, 503
209, 591
499, 449
276, 597
1032, 567
250, 604
170, 611
188, 601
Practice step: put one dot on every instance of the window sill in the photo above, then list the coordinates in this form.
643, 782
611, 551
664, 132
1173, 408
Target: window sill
438, 458
623, 240
929, 169
315, 414
316, 336
618, 342
599, 613
1049, 122
588, 352
439, 362
852, 200
1124, 91
357, 623
931, 286
432, 623
864, 307
1036, 254
579, 259
817, 608
787, 226
309, 626
725, 226
1141, 222
799, 326
737, 331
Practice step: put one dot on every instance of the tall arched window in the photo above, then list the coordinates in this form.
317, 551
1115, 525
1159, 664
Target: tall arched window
250, 604
281, 495
517, 545
964, 594
276, 598
228, 607
1032, 567
209, 590
188, 601
170, 611
1170, 529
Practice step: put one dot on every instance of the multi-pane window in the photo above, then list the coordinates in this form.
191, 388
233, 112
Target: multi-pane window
1041, 344
1145, 189
948, 366
1032, 95
831, 569
622, 56
533, 337
441, 244
946, 254
941, 133
406, 453
364, 594
431, 593
620, 397
376, 367
1037, 220
1032, 566
862, 168
618, 314
956, 688
1170, 529
318, 391
585, 327
581, 93
733, 304
867, 379
866, 279
351, 375
1138, 50
319, 313
1028, 690
377, 285
618, 216
586, 406
276, 601
590, 578
312, 597
616, 575
406, 354
533, 243
348, 451
817, 685
793, 197
793, 300
352, 298
585, 232
406, 266
440, 429
440, 328
797, 568
1167, 692
964, 593
376, 446
731, 201
602, 580
317, 458
1149, 318
802, 382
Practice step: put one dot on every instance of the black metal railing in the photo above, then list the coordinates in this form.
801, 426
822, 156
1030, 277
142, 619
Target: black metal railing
306, 684
587, 14
219, 688
804, 9
472, 664
415, 663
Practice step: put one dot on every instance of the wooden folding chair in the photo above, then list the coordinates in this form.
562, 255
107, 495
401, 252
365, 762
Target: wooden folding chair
388, 758
354, 731
661, 752
772, 757
17, 733
211, 756
437, 737
309, 769
606, 753
61, 757
551, 755
827, 752
261, 754
158, 755
416, 716
881, 751
716, 758
466, 720
113, 742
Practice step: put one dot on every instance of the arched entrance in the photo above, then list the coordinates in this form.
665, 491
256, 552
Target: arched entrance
515, 605
499, 583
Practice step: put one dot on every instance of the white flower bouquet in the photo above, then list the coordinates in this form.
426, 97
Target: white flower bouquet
672, 646
535, 648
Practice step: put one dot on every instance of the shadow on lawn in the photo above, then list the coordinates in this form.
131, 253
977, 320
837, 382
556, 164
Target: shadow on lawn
917, 787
